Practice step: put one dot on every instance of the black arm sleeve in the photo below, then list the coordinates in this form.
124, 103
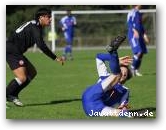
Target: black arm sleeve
40, 43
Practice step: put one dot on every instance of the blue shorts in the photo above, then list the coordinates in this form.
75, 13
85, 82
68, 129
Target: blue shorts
138, 46
92, 99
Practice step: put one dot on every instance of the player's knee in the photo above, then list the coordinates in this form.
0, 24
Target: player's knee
22, 78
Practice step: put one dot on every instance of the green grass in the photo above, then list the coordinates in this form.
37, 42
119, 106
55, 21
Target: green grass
56, 91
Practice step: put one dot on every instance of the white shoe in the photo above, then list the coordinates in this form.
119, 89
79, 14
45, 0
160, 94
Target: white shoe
17, 102
138, 74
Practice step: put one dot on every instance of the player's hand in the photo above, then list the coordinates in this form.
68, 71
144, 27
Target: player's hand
60, 60
125, 60
124, 107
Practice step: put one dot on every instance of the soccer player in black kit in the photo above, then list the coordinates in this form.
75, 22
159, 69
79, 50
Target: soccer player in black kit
23, 38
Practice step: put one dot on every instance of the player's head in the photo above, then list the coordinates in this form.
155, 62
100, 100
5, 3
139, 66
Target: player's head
125, 74
43, 15
68, 12
137, 6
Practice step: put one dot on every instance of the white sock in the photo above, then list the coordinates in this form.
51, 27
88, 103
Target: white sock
18, 81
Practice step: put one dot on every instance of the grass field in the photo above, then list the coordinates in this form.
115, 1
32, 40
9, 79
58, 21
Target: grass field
56, 91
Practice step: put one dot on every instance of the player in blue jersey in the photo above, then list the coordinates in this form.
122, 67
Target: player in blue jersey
137, 38
68, 24
100, 99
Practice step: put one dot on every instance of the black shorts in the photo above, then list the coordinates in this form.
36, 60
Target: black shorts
16, 60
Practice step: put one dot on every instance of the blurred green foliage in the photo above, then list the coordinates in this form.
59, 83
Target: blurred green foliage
18, 14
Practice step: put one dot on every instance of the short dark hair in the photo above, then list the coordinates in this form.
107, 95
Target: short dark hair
129, 74
41, 12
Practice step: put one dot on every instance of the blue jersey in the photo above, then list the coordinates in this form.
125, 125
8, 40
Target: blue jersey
92, 99
134, 21
95, 99
116, 95
68, 23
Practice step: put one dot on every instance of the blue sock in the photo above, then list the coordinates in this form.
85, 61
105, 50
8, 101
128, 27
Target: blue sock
66, 49
136, 62
114, 63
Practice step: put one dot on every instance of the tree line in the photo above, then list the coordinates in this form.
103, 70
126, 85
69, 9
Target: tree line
18, 14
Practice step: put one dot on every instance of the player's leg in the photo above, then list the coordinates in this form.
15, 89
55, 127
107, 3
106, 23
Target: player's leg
30, 72
69, 51
19, 65
20, 78
110, 81
100, 64
138, 51
114, 63
143, 50
115, 43
115, 68
134, 47
65, 53
66, 47
137, 60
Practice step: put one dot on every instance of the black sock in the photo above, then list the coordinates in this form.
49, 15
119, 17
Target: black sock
18, 90
11, 88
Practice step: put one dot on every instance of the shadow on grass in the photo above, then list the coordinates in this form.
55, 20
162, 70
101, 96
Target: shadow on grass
53, 102
152, 73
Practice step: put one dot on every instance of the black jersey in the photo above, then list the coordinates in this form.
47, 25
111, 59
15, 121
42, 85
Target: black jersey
25, 37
